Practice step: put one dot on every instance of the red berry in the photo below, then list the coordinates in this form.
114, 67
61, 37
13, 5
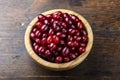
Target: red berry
66, 59
65, 15
41, 49
70, 44
64, 25
52, 46
83, 32
74, 18
41, 17
59, 49
70, 38
38, 33
34, 30
44, 35
46, 22
39, 25
64, 31
72, 49
44, 28
59, 59
36, 48
34, 44
73, 27
43, 41
56, 39
52, 21
51, 32
71, 31
59, 34
38, 41
78, 39
68, 21
62, 43
49, 16
84, 38
56, 27
32, 36
55, 16
76, 54
82, 44
47, 53
79, 25
76, 44
72, 56
82, 50
49, 39
63, 36
65, 51
59, 13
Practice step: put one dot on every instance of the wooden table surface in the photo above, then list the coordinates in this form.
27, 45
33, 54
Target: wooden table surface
103, 63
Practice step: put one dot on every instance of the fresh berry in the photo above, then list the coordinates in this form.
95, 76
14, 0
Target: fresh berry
58, 59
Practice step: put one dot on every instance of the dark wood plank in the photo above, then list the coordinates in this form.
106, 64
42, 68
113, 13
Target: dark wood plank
103, 63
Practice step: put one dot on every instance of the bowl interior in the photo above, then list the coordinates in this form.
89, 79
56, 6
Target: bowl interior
61, 66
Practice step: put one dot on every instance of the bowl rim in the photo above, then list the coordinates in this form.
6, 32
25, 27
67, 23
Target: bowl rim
57, 66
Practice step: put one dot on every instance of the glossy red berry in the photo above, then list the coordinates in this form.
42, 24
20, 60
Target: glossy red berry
44, 35
49, 16
65, 51
56, 27
64, 24
48, 53
55, 39
46, 22
38, 33
79, 25
84, 38
41, 17
76, 44
32, 36
62, 43
71, 31
70, 44
36, 48
41, 49
66, 59
38, 41
81, 50
72, 56
59, 34
83, 32
59, 49
59, 59
49, 40
43, 41
51, 32
65, 15
74, 18
44, 28
82, 44
34, 44
52, 46
34, 30
39, 25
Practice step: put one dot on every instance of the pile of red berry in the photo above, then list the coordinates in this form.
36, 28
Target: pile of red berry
59, 37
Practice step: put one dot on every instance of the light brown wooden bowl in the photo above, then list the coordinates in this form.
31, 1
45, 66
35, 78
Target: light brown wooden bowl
61, 66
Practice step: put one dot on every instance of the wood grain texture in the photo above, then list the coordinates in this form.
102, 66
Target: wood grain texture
103, 63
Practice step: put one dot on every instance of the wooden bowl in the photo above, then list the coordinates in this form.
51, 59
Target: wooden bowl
61, 66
